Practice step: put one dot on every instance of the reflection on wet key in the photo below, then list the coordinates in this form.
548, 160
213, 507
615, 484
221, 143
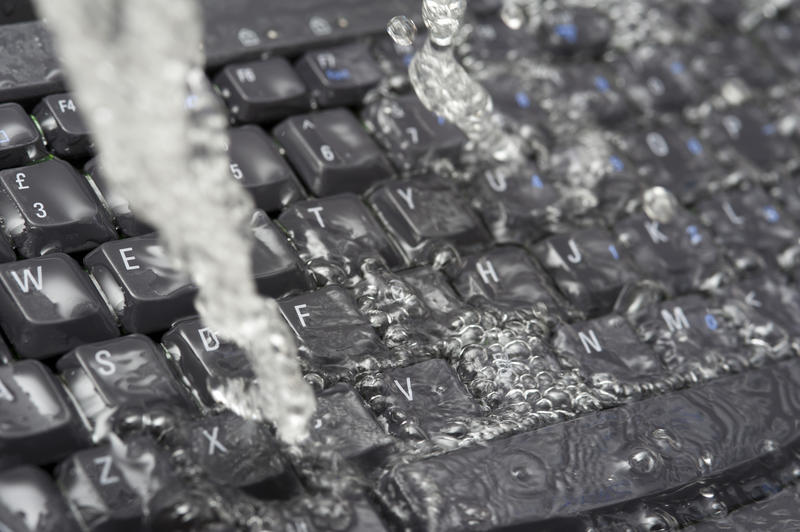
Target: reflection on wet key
551, 478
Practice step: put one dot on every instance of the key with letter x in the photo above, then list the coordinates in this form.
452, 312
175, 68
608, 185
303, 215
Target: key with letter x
243, 453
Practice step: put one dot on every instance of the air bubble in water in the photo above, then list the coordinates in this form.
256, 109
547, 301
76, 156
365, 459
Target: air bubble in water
402, 30
659, 204
513, 14
134, 66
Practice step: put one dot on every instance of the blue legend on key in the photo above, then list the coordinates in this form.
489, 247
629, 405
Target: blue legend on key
616, 163
694, 235
568, 32
711, 322
4, 137
536, 181
771, 214
523, 100
613, 250
694, 146
337, 74
601, 84
677, 67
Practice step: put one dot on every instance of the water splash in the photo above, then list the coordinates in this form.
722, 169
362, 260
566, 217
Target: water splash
137, 70
445, 87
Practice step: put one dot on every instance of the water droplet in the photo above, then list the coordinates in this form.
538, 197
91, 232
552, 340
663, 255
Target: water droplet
514, 14
643, 461
660, 204
402, 30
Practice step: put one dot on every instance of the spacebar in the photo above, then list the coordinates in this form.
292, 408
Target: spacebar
245, 29
631, 453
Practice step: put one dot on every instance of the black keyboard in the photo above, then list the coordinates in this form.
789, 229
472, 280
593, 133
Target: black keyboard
605, 338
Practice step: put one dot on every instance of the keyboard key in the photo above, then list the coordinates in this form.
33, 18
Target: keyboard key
100, 493
203, 358
746, 136
38, 423
254, 27
141, 283
516, 206
672, 157
507, 483
507, 276
608, 347
689, 331
41, 509
339, 75
332, 152
422, 400
20, 141
335, 337
423, 215
148, 293
660, 80
127, 223
433, 288
680, 253
342, 422
243, 453
258, 165
748, 226
725, 60
125, 372
262, 91
339, 231
66, 133
771, 298
277, 269
587, 267
48, 305
594, 89
28, 62
412, 136
577, 30
49, 207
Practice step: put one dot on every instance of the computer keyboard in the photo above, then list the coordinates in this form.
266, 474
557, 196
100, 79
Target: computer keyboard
604, 338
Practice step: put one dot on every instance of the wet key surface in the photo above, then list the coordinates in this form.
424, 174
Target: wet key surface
680, 253
749, 226
242, 453
421, 400
203, 358
424, 214
20, 141
506, 275
66, 133
124, 218
38, 424
41, 509
607, 345
332, 152
344, 423
630, 452
339, 75
50, 207
262, 91
125, 372
587, 267
335, 336
259, 167
48, 305
101, 493
339, 231
411, 135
